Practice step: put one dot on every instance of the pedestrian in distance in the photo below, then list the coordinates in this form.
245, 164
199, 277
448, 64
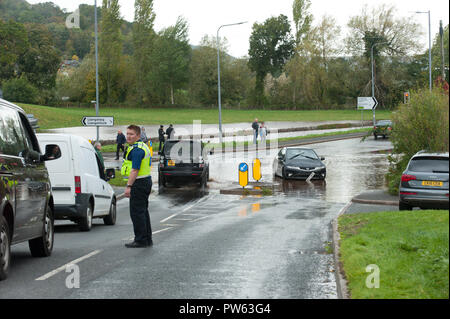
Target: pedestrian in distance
263, 133
98, 148
255, 127
170, 132
120, 140
136, 169
161, 137
143, 135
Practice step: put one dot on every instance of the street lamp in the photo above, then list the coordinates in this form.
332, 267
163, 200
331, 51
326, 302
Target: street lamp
373, 81
218, 75
429, 45
96, 67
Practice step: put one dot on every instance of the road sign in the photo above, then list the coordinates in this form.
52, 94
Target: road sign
367, 103
98, 121
243, 174
256, 169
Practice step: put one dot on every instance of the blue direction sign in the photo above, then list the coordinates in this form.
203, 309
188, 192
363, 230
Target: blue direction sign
243, 174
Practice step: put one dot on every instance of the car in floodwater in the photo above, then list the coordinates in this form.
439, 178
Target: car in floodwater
183, 162
424, 183
382, 128
299, 163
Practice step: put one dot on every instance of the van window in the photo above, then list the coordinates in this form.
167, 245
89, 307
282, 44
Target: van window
12, 141
88, 164
62, 164
29, 136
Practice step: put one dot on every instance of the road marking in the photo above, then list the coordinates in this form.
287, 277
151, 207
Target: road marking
172, 225
199, 219
153, 233
58, 270
176, 214
193, 214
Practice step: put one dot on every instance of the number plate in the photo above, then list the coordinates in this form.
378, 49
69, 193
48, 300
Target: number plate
171, 163
431, 183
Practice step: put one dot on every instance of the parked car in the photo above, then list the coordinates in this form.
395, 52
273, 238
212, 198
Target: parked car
183, 162
79, 182
382, 128
26, 200
299, 163
424, 183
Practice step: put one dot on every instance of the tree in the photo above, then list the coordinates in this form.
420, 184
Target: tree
110, 49
271, 45
171, 59
302, 19
13, 44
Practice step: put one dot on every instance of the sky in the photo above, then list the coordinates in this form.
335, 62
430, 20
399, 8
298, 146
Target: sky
206, 16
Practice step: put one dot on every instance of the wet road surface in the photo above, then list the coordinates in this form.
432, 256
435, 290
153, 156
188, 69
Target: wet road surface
209, 245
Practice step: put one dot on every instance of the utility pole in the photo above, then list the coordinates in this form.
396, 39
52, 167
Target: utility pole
441, 33
96, 68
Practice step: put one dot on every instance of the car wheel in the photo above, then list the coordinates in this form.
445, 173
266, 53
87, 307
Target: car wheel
85, 223
384, 137
111, 218
43, 246
161, 183
404, 206
5, 248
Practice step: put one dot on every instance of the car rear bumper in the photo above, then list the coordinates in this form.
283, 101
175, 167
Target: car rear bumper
425, 198
72, 211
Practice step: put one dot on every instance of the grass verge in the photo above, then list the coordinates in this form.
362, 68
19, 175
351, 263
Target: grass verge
118, 180
51, 117
410, 249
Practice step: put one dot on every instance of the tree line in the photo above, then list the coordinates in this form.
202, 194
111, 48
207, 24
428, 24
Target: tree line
311, 66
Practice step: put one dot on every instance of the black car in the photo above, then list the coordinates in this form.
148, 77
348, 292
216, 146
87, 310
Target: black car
424, 183
299, 163
382, 128
26, 202
183, 162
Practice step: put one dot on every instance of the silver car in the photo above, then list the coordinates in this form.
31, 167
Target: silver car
424, 183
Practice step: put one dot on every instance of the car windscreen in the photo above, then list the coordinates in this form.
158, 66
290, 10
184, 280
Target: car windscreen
429, 165
300, 153
384, 123
182, 149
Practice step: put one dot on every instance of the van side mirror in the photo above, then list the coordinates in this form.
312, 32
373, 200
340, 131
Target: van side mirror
322, 158
110, 173
52, 152
211, 152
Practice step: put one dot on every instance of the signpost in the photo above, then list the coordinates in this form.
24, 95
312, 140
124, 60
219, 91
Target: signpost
243, 174
367, 103
98, 121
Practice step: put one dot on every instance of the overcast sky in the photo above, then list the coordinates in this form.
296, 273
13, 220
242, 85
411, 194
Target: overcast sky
205, 16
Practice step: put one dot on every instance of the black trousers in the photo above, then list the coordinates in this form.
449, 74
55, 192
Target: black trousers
140, 191
120, 147
161, 142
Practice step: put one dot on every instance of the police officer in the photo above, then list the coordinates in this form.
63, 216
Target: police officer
136, 169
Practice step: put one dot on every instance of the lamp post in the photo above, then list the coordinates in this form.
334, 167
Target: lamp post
373, 81
96, 68
218, 76
429, 46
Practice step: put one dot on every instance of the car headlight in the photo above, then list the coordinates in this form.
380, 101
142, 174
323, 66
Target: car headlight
292, 167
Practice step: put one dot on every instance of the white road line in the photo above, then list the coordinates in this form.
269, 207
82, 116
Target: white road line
153, 233
193, 214
199, 219
172, 225
54, 272
172, 216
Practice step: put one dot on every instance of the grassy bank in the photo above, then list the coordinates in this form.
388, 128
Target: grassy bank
50, 117
410, 249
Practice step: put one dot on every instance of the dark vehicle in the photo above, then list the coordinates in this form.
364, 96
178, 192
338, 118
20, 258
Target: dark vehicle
424, 183
382, 128
33, 121
26, 202
183, 162
299, 163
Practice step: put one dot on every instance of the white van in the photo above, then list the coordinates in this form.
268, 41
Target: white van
79, 185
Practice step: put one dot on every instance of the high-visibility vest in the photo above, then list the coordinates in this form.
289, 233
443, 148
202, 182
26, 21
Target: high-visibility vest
127, 165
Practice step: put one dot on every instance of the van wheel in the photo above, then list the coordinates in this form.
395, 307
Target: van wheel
43, 246
5, 248
111, 218
85, 223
